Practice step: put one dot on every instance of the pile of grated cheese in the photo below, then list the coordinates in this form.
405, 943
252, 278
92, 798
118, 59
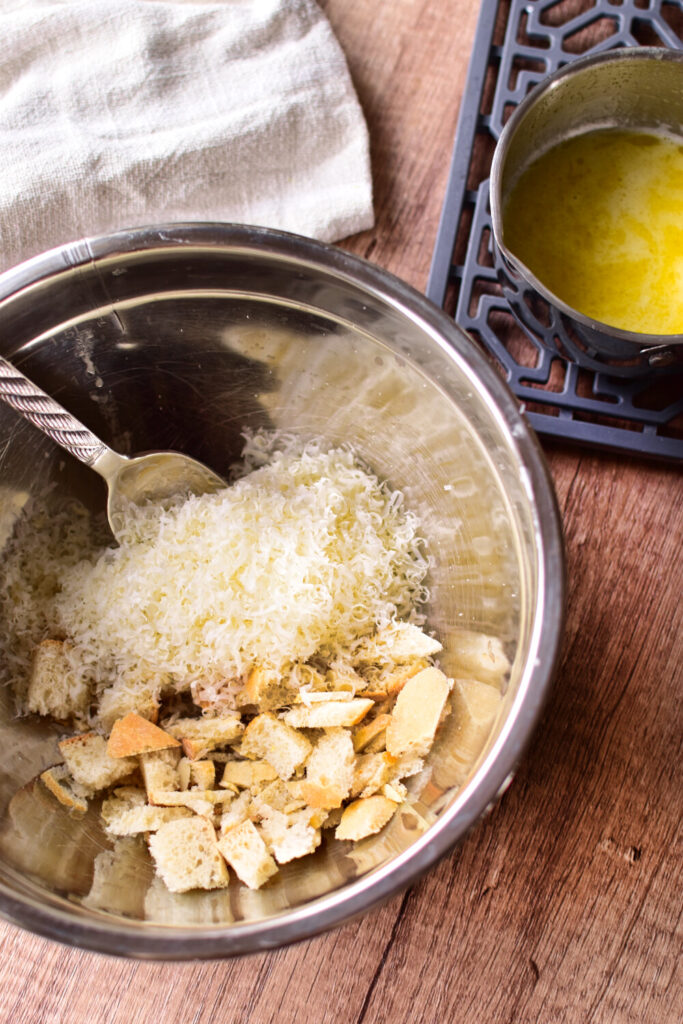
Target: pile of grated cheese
300, 556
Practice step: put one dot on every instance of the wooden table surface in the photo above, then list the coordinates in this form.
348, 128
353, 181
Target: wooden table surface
565, 903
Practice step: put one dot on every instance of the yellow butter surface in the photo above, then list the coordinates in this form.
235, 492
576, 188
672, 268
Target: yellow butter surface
598, 219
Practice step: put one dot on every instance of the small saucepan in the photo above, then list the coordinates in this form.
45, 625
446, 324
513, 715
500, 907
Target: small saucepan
638, 90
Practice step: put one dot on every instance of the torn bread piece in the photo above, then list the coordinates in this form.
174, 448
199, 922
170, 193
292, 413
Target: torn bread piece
202, 774
333, 818
134, 735
289, 836
268, 738
478, 656
371, 773
316, 816
237, 812
91, 766
407, 766
160, 771
309, 697
184, 774
389, 681
366, 732
329, 714
285, 824
278, 795
140, 692
127, 813
199, 736
267, 690
329, 770
395, 791
364, 817
342, 676
247, 774
377, 745
247, 854
417, 713
397, 642
53, 687
186, 855
195, 775
192, 797
60, 783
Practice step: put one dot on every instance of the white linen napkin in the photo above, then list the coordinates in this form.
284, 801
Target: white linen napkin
117, 113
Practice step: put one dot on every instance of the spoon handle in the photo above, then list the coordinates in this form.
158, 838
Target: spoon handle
48, 415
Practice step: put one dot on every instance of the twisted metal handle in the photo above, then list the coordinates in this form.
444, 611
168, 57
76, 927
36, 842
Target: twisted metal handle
48, 415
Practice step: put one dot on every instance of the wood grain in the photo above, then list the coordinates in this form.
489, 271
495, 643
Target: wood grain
564, 905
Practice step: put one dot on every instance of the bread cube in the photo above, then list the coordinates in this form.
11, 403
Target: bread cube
192, 797
397, 642
267, 738
247, 774
91, 766
389, 681
277, 795
288, 833
475, 706
186, 855
127, 813
53, 688
116, 878
289, 836
236, 812
372, 772
138, 693
247, 854
329, 714
364, 817
201, 735
160, 772
329, 770
60, 783
417, 713
478, 656
134, 735
366, 732
202, 774
266, 690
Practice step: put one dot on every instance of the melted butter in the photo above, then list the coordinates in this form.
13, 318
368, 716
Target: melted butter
598, 219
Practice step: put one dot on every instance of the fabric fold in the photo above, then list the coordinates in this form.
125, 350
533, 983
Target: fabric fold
132, 112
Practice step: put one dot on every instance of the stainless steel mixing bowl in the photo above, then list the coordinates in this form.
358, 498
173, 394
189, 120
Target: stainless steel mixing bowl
180, 337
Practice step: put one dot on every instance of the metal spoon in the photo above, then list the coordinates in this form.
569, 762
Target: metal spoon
156, 476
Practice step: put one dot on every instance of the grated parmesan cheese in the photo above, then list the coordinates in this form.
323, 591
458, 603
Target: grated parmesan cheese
298, 557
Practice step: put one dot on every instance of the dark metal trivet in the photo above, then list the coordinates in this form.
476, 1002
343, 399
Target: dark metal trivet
517, 43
